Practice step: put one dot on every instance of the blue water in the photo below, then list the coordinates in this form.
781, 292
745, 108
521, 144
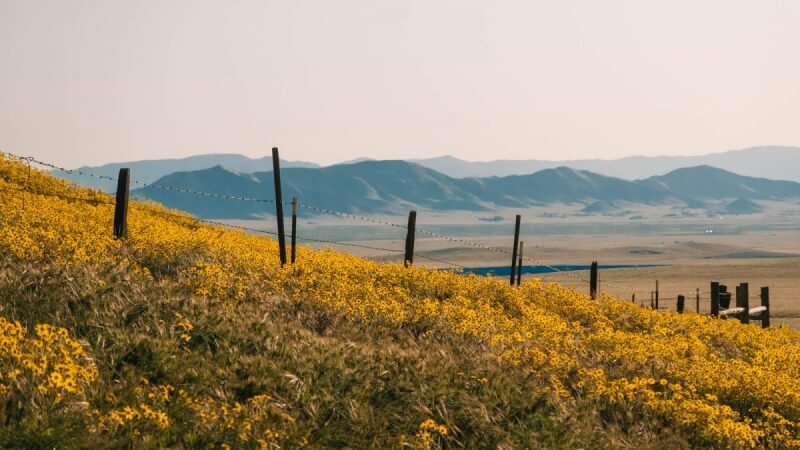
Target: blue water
531, 270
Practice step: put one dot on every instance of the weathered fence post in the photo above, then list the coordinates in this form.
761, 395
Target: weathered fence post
724, 297
121, 205
633, 297
765, 303
656, 295
652, 298
743, 301
514, 250
276, 175
412, 226
593, 280
697, 301
519, 263
681, 303
746, 302
294, 227
715, 298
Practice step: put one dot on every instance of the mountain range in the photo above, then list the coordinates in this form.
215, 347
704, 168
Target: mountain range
772, 162
148, 171
394, 187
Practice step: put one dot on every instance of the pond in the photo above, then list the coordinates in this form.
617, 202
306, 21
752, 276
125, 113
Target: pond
532, 270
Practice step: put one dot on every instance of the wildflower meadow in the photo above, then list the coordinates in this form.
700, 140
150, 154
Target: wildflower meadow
186, 335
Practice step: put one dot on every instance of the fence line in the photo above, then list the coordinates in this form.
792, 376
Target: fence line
322, 210
210, 194
742, 311
172, 215
465, 242
141, 183
461, 241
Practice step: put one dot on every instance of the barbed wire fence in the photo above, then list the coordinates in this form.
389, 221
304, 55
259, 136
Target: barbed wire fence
387, 252
456, 240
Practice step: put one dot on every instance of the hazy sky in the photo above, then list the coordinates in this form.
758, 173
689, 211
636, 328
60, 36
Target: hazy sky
88, 82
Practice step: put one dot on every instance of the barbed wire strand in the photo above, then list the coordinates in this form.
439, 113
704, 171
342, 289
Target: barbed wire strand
195, 219
97, 201
323, 210
145, 184
332, 212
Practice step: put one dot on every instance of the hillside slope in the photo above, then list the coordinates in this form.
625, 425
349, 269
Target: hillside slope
190, 336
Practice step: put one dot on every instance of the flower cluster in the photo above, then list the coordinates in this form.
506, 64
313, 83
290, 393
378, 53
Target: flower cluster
48, 363
429, 434
147, 412
255, 421
183, 327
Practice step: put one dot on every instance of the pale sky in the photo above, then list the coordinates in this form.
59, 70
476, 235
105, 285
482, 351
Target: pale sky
90, 82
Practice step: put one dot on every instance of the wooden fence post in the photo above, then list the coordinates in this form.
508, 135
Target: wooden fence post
514, 250
412, 226
715, 298
697, 301
746, 302
633, 298
681, 303
656, 295
724, 297
294, 228
121, 205
593, 280
276, 175
519, 263
743, 301
765, 303
652, 298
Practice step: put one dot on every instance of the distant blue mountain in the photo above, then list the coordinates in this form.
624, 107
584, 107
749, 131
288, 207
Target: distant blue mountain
703, 182
772, 162
147, 171
394, 187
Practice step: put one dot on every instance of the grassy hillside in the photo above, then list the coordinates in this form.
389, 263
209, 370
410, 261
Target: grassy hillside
190, 336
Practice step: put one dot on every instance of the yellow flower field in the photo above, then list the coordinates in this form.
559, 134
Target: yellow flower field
640, 374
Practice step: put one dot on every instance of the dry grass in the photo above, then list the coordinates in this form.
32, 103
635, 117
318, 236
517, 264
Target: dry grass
347, 384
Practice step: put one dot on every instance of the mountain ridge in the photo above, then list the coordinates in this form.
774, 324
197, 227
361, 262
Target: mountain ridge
396, 186
771, 162
148, 171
